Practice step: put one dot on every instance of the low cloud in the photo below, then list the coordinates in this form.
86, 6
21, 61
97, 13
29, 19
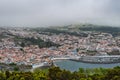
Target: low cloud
59, 12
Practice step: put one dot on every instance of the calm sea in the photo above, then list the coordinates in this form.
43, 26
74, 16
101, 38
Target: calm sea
74, 66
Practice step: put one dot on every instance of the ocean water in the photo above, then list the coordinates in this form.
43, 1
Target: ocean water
74, 66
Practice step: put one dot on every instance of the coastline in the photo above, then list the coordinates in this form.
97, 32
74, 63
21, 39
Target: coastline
91, 62
91, 59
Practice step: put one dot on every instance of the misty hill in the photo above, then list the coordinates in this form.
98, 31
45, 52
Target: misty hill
79, 29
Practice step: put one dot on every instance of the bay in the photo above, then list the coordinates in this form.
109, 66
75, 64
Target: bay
74, 66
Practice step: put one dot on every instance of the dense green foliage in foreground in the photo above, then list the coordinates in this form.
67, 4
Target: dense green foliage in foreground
55, 73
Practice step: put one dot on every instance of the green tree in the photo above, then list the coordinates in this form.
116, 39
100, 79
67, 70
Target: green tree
8, 74
40, 74
54, 73
2, 76
22, 78
111, 73
65, 75
16, 68
81, 70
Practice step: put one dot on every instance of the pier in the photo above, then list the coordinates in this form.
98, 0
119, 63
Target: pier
60, 58
41, 65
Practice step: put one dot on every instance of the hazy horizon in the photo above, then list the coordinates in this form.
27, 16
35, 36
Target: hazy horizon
32, 13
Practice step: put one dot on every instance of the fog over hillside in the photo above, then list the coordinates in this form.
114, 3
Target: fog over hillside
59, 12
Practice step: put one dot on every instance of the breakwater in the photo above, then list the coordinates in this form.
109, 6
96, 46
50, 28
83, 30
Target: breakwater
91, 59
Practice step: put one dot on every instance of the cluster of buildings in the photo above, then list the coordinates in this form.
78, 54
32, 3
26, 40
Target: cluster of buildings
94, 44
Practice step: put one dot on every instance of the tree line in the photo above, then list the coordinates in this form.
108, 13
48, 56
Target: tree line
55, 73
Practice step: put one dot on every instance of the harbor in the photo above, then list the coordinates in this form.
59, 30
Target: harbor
74, 65
99, 59
91, 59
105, 61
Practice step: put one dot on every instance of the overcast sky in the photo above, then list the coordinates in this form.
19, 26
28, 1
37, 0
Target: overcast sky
59, 12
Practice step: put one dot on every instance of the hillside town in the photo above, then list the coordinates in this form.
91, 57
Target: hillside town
96, 43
